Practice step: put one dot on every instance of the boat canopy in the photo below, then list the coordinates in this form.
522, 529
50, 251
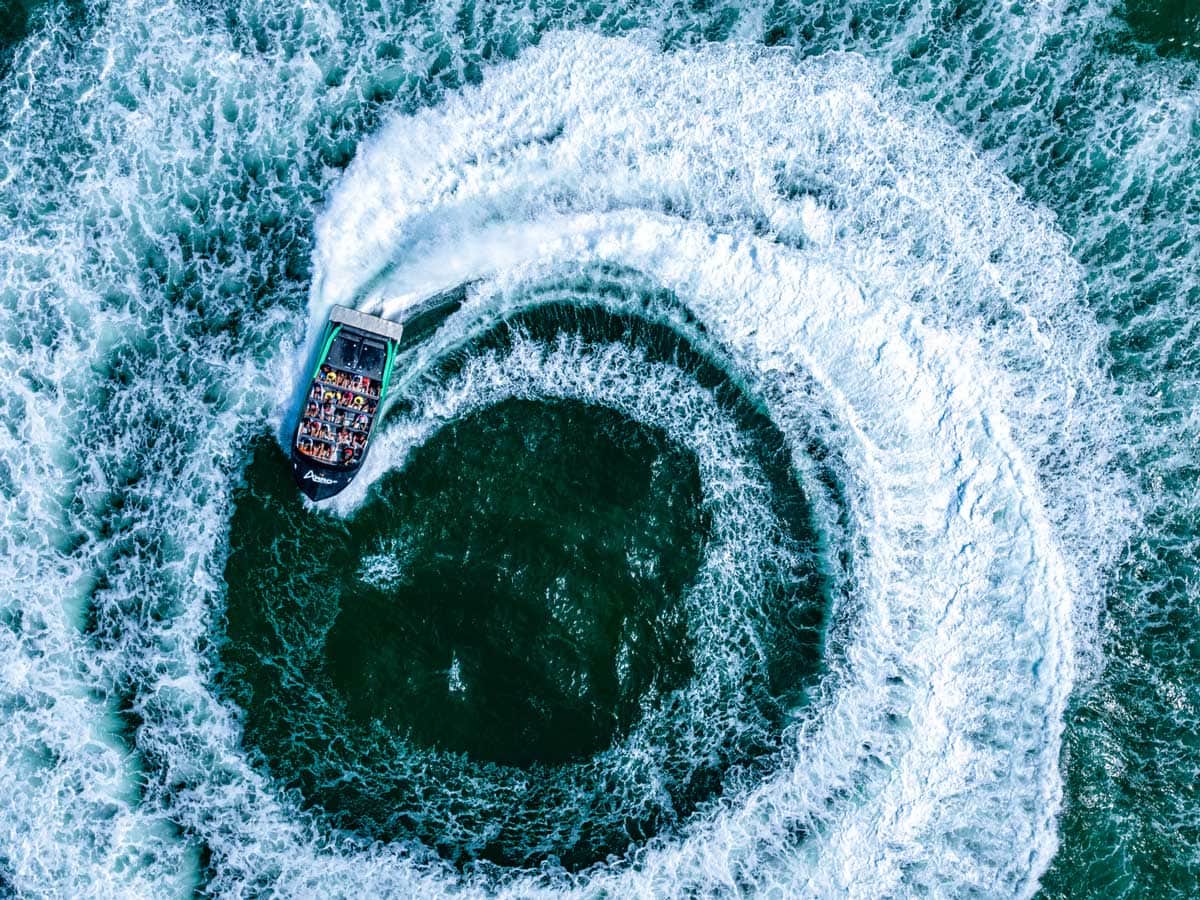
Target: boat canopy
355, 319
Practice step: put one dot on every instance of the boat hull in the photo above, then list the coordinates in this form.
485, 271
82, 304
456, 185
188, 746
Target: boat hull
317, 481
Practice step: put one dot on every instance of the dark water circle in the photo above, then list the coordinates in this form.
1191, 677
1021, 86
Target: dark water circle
514, 627
512, 594
497, 658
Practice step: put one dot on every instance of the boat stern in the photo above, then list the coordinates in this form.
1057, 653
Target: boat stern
318, 482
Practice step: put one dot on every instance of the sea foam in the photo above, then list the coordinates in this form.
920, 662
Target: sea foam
865, 269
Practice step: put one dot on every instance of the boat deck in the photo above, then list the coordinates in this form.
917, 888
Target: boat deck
338, 416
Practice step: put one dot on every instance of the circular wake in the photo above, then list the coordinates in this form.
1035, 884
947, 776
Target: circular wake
882, 295
817, 638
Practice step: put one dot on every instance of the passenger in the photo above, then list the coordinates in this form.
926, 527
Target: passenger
311, 409
363, 421
347, 398
330, 409
347, 455
359, 402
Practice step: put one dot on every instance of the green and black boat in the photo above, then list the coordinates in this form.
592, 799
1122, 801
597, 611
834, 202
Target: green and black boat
342, 400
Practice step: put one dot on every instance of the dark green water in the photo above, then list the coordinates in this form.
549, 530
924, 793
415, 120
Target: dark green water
501, 631
510, 603
1172, 27
14, 21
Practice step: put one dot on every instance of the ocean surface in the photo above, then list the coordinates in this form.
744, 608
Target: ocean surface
798, 497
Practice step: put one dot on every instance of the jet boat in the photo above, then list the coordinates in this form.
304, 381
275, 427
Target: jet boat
342, 400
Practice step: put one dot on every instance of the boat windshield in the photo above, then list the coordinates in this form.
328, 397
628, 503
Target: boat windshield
357, 354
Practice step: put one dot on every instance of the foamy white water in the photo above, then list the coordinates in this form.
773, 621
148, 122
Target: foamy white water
868, 277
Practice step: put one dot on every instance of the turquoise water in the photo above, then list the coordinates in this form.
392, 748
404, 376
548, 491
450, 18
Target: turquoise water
801, 501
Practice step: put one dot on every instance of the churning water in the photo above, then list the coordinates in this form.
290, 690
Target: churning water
795, 496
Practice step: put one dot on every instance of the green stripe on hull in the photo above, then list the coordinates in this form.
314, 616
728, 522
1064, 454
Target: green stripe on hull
325, 350
387, 370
